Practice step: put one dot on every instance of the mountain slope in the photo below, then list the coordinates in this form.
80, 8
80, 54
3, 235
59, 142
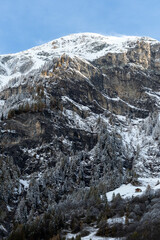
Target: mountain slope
77, 113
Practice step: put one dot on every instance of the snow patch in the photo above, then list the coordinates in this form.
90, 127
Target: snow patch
9, 208
25, 183
129, 191
116, 220
126, 191
92, 235
2, 228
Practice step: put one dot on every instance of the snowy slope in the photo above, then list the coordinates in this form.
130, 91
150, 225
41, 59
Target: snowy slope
88, 46
129, 191
141, 138
71, 122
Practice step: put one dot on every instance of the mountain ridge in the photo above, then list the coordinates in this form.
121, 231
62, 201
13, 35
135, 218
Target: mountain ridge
71, 47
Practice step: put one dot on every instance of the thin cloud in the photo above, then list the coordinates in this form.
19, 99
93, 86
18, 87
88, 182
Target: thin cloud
40, 42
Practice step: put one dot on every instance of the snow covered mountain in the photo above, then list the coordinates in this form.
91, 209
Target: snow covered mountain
86, 46
79, 115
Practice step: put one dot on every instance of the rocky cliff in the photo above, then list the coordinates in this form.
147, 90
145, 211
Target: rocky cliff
76, 113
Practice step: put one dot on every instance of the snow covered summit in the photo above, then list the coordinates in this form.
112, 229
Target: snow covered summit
88, 46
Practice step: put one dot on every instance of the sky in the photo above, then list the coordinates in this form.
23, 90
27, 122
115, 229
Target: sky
27, 23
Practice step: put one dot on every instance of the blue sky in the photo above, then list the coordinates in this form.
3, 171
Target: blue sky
27, 23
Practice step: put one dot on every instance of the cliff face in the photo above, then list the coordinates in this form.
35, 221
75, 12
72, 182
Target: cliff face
133, 74
78, 112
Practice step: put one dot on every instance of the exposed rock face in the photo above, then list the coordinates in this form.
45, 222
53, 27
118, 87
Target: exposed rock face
130, 74
70, 123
